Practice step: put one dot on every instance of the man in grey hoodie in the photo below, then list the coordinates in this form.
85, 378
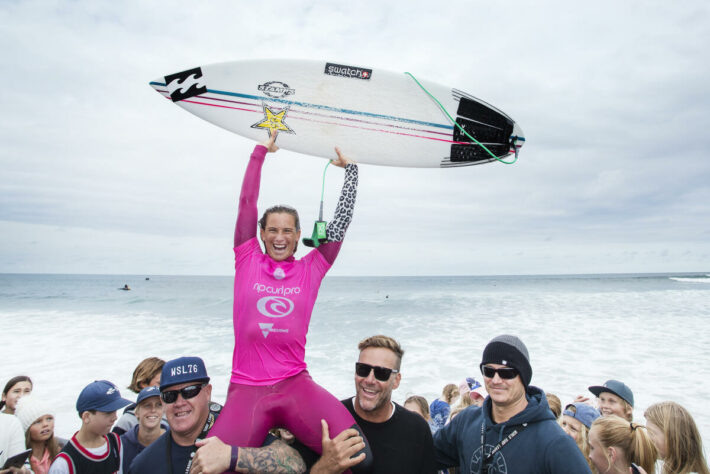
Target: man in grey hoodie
514, 432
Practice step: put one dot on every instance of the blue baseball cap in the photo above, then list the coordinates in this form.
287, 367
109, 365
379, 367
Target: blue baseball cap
147, 392
100, 395
183, 370
582, 412
617, 388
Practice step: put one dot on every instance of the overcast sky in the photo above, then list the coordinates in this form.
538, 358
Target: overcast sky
99, 174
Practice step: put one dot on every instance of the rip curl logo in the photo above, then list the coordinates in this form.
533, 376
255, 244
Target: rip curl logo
275, 306
342, 70
276, 89
267, 328
281, 290
185, 84
496, 466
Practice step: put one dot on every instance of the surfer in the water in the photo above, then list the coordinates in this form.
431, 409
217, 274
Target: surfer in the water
274, 296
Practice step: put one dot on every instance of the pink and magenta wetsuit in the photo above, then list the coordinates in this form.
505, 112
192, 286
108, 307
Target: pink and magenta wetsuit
273, 301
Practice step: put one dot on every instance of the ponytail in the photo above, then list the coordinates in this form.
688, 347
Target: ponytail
642, 450
629, 437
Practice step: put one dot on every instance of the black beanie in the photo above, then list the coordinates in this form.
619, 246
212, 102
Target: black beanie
509, 351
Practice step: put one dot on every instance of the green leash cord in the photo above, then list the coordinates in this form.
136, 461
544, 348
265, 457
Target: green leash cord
322, 191
319, 228
460, 127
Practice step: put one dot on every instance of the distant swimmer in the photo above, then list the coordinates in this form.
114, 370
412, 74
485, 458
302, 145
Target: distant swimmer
125, 288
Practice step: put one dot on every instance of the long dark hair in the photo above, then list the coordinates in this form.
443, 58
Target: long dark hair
11, 383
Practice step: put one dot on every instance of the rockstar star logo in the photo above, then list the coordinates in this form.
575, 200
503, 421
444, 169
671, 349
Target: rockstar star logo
272, 121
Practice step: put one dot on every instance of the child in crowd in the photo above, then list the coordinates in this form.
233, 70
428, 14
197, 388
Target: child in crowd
37, 419
615, 443
615, 398
146, 374
553, 401
440, 408
93, 448
419, 405
576, 421
15, 388
478, 392
677, 439
149, 412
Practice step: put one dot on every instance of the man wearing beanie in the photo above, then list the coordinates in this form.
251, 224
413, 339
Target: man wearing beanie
514, 432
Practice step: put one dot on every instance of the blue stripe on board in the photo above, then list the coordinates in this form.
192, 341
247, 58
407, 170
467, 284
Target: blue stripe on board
324, 107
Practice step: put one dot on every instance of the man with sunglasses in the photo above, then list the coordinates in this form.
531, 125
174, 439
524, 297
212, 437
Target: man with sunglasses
185, 391
514, 432
400, 440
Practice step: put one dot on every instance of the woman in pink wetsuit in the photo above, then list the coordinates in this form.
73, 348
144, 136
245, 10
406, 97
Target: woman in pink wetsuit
274, 296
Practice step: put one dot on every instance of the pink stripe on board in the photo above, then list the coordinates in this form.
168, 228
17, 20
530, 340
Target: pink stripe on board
335, 123
303, 112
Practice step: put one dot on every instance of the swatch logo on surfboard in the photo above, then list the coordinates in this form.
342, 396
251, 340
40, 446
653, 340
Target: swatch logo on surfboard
347, 71
185, 84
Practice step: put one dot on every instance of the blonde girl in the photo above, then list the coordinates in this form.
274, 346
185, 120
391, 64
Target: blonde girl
615, 443
677, 439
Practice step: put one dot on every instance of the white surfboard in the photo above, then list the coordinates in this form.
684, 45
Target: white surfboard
375, 116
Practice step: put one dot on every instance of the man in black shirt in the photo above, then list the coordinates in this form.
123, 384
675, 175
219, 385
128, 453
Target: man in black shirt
400, 440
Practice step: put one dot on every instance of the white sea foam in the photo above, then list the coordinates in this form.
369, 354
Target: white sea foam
580, 331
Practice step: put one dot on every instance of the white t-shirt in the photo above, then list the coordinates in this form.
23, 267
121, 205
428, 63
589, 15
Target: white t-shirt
12, 439
60, 466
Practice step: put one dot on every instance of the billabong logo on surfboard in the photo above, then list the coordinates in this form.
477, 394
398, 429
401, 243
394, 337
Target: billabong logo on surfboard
185, 84
347, 71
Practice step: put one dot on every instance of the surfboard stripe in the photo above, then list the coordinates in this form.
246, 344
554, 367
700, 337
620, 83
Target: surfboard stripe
296, 112
341, 124
323, 107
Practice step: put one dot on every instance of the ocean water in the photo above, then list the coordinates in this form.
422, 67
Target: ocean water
648, 330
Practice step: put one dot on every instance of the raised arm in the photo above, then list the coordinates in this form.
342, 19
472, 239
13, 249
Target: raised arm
335, 231
247, 217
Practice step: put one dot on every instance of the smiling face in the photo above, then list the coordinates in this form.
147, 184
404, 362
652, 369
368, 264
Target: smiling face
610, 404
280, 236
42, 429
149, 413
504, 392
14, 393
187, 418
373, 397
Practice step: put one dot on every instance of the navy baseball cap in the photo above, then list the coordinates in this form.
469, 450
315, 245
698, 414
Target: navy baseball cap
620, 389
183, 370
148, 392
100, 395
582, 412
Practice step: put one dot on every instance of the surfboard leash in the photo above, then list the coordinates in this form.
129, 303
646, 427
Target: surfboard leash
461, 128
319, 228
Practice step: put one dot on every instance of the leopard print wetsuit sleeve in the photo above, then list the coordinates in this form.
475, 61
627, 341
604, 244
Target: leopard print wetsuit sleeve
344, 210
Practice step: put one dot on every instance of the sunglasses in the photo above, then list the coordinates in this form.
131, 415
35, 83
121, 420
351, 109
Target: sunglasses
381, 373
191, 391
506, 373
